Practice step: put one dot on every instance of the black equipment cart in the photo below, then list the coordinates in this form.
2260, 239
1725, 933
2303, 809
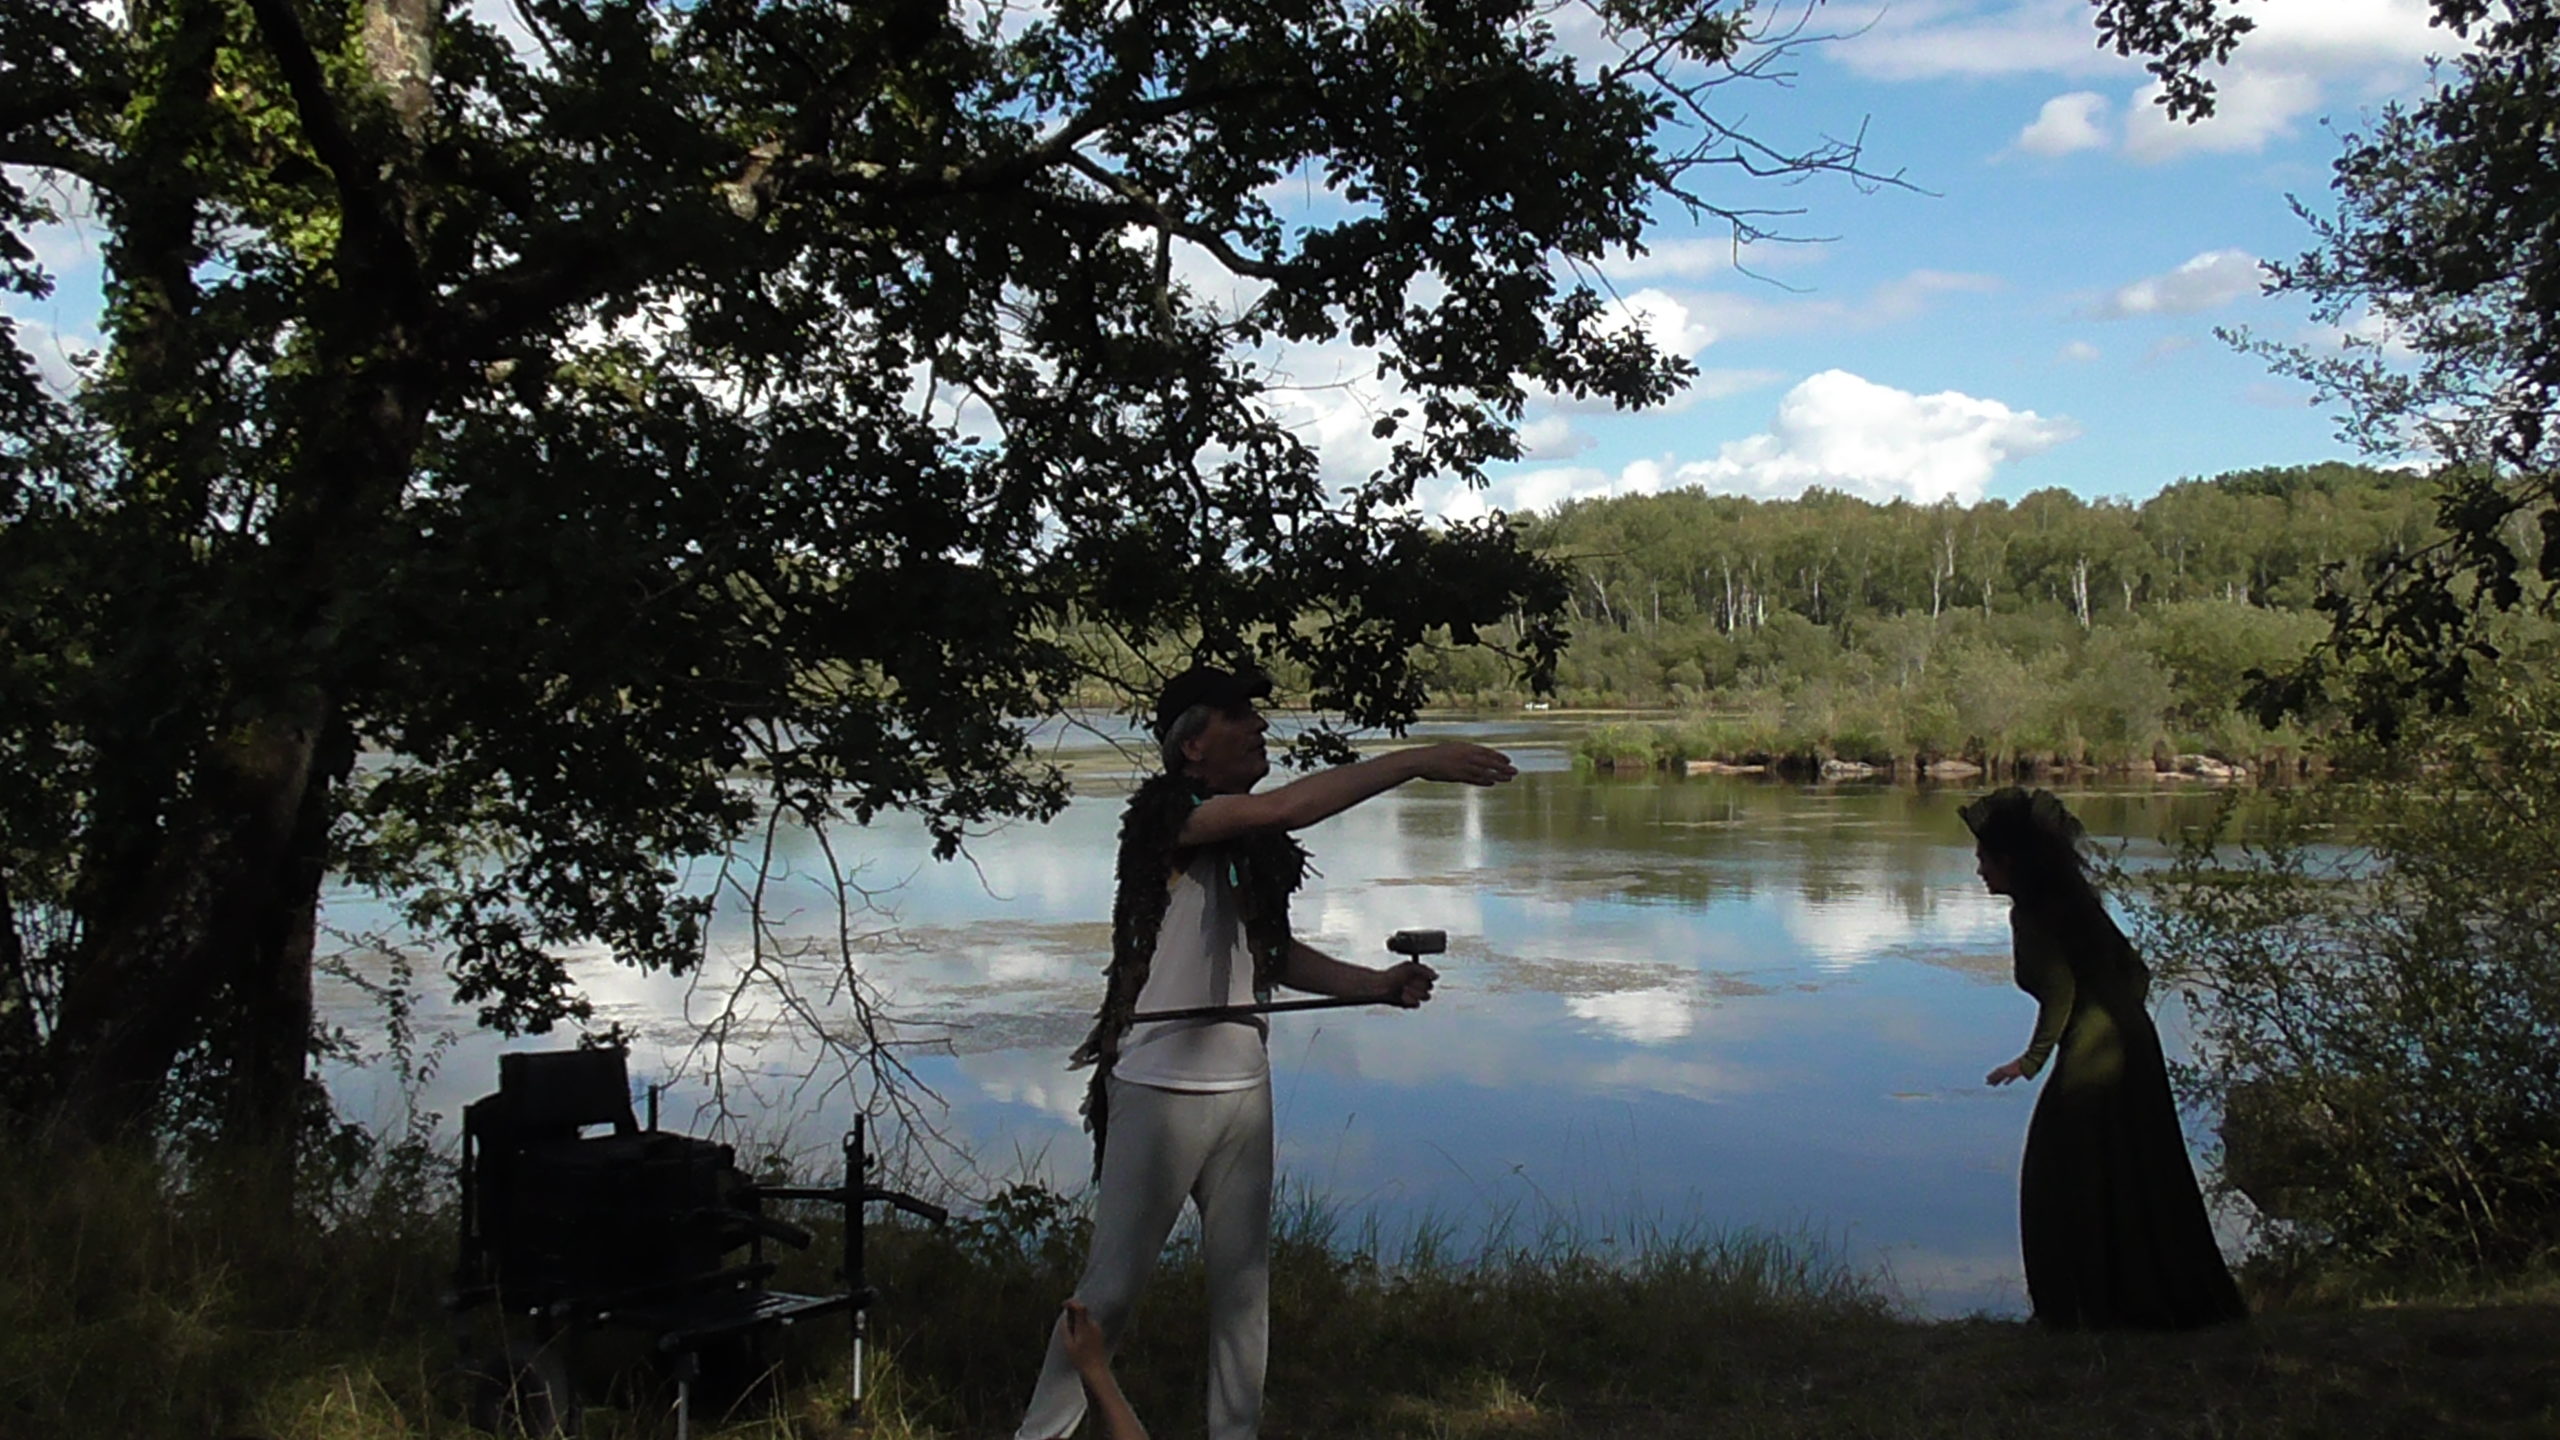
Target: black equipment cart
565, 1233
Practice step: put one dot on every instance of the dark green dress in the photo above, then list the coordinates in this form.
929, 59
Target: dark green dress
2109, 1217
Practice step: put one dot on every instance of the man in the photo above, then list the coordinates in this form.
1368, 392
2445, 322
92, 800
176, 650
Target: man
1183, 1108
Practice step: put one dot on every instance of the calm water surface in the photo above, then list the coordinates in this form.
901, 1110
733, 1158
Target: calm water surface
1717, 1001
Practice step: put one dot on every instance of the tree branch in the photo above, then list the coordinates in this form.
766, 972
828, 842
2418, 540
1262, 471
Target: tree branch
503, 302
1153, 212
39, 154
491, 310
365, 207
1059, 146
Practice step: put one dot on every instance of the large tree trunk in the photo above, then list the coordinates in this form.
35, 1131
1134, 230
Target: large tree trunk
215, 903
271, 1031
151, 967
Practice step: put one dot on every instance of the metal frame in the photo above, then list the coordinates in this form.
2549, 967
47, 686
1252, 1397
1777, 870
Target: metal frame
684, 1313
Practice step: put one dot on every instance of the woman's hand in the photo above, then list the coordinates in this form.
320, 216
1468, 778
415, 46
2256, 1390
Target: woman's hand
2006, 1073
1092, 1359
1085, 1347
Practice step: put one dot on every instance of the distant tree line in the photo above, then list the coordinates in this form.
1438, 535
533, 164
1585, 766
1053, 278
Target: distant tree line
2089, 630
2251, 537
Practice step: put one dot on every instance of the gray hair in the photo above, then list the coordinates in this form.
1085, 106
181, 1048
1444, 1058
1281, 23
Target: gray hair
1186, 727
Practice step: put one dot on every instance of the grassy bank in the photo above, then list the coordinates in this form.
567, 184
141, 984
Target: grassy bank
1810, 746
126, 1312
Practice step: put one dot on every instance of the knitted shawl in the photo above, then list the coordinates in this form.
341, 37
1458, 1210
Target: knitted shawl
1263, 869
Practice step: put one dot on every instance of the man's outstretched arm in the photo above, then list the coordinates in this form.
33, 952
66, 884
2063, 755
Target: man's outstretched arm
1327, 793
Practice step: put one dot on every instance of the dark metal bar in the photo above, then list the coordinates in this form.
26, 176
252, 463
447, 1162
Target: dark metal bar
801, 1192
857, 1162
1243, 1012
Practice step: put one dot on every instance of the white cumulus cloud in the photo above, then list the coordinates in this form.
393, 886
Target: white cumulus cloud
1836, 430
1932, 39
58, 353
1674, 260
1686, 321
1670, 323
1846, 432
69, 245
2209, 281
1552, 437
2068, 123
1935, 39
2252, 106
2365, 330
1911, 296
2343, 37
2303, 56
1723, 384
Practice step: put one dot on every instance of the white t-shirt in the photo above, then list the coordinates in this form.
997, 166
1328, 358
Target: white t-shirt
1200, 959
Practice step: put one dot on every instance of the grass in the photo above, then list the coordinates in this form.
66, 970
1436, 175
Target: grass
1800, 745
126, 1311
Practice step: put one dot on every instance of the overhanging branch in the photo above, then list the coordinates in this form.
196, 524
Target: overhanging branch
35, 153
1147, 208
365, 206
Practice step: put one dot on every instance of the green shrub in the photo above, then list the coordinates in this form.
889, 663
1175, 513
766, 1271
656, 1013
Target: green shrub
1618, 740
2378, 1019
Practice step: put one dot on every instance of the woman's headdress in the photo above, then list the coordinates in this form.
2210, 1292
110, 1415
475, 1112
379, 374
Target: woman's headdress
2014, 818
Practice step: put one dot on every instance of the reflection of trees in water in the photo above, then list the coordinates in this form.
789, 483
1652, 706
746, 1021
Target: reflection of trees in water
1561, 884
1864, 871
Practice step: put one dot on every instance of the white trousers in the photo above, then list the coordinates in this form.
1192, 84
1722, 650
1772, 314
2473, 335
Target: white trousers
1165, 1145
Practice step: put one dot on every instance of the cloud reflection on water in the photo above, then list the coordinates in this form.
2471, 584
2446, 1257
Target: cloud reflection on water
1742, 1003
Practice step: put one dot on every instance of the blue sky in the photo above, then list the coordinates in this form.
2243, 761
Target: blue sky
2038, 311
2045, 315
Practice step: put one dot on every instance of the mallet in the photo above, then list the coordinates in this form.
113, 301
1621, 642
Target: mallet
1412, 944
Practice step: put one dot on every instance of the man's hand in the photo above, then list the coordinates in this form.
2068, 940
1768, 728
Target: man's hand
1464, 763
1406, 985
2006, 1073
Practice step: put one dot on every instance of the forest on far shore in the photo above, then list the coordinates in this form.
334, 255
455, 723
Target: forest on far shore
2076, 631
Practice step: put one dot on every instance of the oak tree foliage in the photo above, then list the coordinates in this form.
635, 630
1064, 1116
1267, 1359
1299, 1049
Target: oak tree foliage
504, 441
2441, 267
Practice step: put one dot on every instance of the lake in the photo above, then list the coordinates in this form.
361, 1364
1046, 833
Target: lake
1713, 1001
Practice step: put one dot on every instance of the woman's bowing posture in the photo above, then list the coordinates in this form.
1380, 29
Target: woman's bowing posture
2111, 1223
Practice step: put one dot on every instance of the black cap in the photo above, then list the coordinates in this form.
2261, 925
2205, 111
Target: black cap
1206, 685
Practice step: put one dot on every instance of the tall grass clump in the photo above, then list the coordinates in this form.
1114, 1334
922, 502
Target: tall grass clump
144, 1295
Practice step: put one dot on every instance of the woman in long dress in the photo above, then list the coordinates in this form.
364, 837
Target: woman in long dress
2111, 1223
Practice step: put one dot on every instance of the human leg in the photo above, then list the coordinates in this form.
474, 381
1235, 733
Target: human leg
1234, 1196
1159, 1140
